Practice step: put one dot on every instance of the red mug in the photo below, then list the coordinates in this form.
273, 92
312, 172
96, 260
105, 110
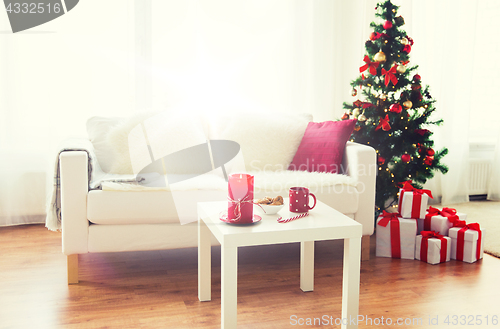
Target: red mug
299, 199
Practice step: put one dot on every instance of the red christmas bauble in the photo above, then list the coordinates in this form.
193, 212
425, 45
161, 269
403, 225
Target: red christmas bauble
387, 25
428, 160
407, 49
395, 108
406, 158
373, 36
381, 160
416, 77
430, 152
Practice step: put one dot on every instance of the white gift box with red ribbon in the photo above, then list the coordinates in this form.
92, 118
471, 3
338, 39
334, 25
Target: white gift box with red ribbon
467, 243
413, 201
397, 238
439, 220
434, 251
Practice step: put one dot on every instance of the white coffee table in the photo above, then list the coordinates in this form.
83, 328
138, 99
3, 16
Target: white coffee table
323, 223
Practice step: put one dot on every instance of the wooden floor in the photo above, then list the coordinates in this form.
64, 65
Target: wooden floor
159, 289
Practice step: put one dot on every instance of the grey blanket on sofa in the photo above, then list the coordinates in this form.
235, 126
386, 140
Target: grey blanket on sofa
95, 177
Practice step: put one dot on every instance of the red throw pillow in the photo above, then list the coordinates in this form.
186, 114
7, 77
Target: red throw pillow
322, 147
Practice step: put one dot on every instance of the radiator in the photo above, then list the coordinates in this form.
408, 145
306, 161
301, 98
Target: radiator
479, 171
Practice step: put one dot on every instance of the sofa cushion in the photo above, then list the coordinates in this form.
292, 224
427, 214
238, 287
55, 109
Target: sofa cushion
153, 206
267, 140
322, 147
163, 132
98, 129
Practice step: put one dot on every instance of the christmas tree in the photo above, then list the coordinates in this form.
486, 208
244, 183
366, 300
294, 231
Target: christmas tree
393, 109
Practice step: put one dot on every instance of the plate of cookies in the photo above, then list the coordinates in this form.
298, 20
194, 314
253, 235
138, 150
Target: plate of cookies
269, 205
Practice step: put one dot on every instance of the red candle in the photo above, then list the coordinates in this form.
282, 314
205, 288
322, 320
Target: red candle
240, 206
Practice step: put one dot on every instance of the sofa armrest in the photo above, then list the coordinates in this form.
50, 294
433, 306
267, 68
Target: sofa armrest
74, 189
360, 162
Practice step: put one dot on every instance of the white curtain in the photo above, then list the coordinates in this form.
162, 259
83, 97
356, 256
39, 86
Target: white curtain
444, 33
494, 182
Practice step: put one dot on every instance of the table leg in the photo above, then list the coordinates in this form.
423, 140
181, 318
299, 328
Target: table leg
204, 262
350, 282
307, 265
229, 287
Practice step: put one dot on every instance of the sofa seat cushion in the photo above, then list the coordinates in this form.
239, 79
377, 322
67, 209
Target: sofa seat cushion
145, 205
153, 207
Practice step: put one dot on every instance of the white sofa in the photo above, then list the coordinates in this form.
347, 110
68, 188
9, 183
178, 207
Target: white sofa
112, 220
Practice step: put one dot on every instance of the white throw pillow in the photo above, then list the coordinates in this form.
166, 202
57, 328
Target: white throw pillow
98, 129
268, 141
165, 134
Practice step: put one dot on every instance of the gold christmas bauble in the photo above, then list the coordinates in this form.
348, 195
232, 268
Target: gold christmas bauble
362, 117
356, 112
407, 104
379, 57
401, 69
405, 41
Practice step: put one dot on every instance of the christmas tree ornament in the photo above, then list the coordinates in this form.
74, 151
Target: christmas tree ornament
387, 25
379, 57
407, 104
384, 124
375, 36
371, 66
416, 86
362, 118
358, 103
404, 41
354, 92
428, 160
416, 77
381, 160
406, 158
430, 152
410, 41
390, 76
399, 20
356, 112
407, 49
401, 69
395, 108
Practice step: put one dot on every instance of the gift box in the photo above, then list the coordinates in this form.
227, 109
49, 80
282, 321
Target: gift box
432, 247
439, 220
467, 242
412, 201
395, 236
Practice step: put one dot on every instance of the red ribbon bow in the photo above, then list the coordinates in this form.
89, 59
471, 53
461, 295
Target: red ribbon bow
424, 245
390, 76
388, 217
392, 218
384, 124
407, 187
449, 213
461, 238
371, 66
